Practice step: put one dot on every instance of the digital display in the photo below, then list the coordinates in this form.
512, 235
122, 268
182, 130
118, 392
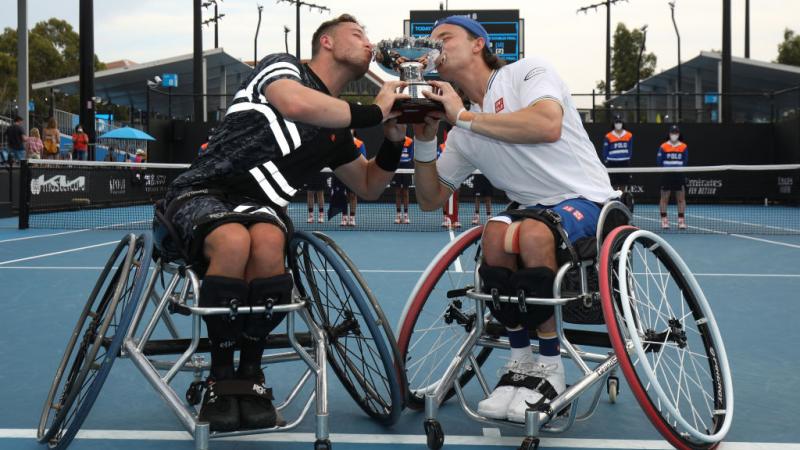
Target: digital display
504, 28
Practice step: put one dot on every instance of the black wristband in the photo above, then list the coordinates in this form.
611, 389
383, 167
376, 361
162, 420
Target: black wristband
365, 116
388, 157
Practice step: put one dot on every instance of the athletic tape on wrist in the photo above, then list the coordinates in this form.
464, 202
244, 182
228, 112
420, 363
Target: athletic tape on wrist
425, 151
465, 124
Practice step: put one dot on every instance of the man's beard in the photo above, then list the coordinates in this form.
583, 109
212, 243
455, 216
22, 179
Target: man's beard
357, 68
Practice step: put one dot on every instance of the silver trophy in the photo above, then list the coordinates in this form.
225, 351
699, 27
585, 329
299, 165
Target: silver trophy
410, 59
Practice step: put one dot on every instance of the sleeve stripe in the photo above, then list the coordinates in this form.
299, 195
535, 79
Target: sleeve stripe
448, 184
272, 67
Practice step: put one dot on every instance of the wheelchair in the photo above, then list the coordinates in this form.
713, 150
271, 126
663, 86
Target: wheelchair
659, 331
150, 315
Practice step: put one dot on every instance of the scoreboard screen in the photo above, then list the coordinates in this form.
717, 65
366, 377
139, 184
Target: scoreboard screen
504, 26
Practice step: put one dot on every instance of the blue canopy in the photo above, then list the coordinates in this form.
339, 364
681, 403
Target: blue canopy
127, 133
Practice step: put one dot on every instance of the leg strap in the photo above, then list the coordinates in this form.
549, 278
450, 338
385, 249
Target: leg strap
533, 282
276, 290
223, 330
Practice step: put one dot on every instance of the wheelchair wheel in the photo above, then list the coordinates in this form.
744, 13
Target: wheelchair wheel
438, 317
666, 339
95, 342
382, 321
359, 354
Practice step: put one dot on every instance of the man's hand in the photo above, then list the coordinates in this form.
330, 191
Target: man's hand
426, 131
448, 96
394, 131
387, 96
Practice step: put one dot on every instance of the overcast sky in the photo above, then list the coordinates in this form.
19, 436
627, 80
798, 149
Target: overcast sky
145, 30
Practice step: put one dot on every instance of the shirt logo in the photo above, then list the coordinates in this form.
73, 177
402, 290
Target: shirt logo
498, 106
536, 71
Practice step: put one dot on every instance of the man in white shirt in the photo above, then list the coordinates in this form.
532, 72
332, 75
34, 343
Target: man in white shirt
523, 132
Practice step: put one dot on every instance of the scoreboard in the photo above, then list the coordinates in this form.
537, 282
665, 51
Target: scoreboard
505, 28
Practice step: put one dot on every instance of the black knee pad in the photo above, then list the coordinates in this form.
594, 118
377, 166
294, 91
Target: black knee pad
499, 278
534, 282
276, 290
217, 292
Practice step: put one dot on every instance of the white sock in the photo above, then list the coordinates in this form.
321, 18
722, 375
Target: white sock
548, 359
523, 354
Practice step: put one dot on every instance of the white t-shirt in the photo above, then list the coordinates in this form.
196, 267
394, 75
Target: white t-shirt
530, 174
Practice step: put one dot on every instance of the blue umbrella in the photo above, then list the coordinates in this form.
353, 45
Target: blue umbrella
127, 133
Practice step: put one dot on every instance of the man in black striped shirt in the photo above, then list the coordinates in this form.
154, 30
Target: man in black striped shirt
284, 125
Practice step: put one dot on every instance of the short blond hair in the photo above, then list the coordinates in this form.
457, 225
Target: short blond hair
35, 133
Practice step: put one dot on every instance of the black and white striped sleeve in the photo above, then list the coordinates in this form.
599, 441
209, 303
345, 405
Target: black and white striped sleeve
271, 68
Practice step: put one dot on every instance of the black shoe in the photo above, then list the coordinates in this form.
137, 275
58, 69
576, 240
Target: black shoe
255, 407
220, 411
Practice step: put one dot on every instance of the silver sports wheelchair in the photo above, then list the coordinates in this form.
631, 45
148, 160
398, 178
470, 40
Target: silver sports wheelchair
658, 330
152, 317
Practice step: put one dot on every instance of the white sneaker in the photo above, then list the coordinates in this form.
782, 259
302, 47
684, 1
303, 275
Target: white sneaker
397, 218
344, 221
405, 218
664, 223
476, 219
352, 221
553, 373
310, 217
681, 223
446, 222
496, 405
321, 217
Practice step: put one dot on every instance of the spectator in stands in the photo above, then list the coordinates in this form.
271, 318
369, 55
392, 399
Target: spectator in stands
673, 153
141, 156
15, 137
51, 139
34, 146
402, 181
80, 144
617, 152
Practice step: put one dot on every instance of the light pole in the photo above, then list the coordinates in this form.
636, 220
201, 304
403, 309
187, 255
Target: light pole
298, 4
639, 73
286, 31
674, 24
255, 43
214, 19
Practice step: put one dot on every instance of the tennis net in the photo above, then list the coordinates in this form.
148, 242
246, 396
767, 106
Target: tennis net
720, 199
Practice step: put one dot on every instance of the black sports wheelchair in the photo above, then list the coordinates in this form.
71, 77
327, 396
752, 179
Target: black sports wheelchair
151, 316
630, 295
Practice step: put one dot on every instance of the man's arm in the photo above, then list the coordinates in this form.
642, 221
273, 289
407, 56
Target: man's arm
302, 104
431, 193
366, 178
536, 124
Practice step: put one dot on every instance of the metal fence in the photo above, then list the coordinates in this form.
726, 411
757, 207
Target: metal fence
746, 107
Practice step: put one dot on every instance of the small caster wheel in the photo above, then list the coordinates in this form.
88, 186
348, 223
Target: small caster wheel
612, 387
530, 443
195, 392
322, 444
434, 433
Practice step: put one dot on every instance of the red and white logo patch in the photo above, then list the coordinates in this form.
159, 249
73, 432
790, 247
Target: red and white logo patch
578, 215
498, 106
568, 208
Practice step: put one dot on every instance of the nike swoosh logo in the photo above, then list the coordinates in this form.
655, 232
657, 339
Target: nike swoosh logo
535, 72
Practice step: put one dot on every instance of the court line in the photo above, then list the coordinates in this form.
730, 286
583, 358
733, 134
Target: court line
398, 439
457, 262
737, 275
58, 253
44, 235
722, 233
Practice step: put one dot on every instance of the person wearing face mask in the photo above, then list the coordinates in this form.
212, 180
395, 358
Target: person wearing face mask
673, 153
617, 152
80, 144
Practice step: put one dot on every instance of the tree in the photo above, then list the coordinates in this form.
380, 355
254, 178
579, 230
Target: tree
53, 52
625, 56
789, 49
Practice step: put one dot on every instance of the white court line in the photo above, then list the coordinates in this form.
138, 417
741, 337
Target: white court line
44, 235
457, 262
402, 439
741, 236
58, 253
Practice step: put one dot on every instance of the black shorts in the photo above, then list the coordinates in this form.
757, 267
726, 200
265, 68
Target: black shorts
402, 180
619, 179
201, 212
482, 186
673, 181
318, 182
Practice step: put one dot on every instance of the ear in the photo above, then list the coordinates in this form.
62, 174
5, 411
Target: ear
326, 41
478, 44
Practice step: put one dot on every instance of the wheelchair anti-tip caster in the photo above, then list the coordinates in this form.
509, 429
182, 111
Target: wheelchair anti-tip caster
612, 387
434, 433
322, 444
195, 392
530, 443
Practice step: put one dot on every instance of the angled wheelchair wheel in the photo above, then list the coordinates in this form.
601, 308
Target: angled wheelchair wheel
95, 342
359, 354
438, 316
666, 339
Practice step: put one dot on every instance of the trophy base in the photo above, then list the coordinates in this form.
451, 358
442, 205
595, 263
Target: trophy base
414, 110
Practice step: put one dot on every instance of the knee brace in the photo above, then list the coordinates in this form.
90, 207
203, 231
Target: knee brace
534, 282
272, 291
222, 292
498, 280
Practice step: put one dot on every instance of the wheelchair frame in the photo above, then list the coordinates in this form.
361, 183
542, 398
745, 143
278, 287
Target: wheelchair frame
547, 417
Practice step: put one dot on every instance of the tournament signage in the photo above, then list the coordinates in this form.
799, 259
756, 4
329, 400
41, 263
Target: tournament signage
505, 28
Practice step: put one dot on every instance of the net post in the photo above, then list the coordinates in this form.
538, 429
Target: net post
24, 196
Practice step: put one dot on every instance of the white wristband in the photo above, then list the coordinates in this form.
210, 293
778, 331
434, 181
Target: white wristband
425, 151
465, 124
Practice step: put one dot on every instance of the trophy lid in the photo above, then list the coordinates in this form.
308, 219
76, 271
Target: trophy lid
390, 54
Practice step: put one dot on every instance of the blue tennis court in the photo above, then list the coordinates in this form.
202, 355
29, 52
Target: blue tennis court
751, 282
